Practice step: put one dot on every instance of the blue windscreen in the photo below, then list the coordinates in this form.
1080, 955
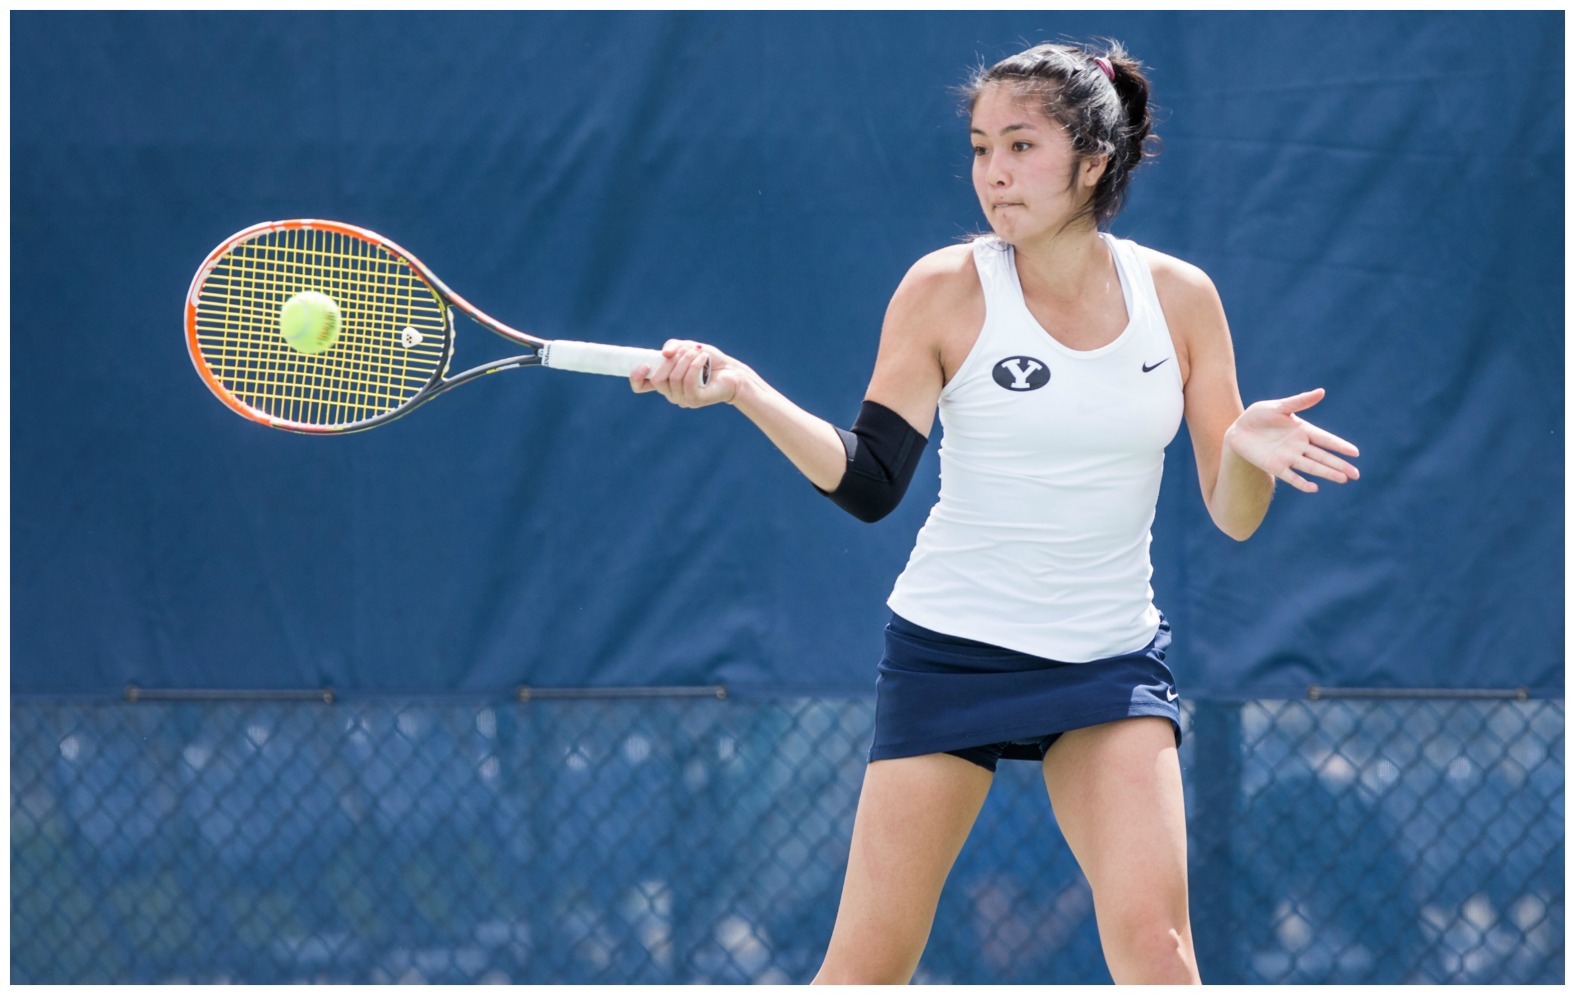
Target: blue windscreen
1379, 198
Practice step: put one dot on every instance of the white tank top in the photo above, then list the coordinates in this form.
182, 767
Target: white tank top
1051, 459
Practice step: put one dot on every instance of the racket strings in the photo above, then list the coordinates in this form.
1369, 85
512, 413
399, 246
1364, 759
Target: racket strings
392, 339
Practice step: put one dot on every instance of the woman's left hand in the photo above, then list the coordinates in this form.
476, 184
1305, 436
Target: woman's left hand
1271, 437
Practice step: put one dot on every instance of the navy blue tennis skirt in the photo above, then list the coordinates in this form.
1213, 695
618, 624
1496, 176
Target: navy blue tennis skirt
941, 694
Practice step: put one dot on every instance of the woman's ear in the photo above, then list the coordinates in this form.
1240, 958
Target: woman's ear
1092, 169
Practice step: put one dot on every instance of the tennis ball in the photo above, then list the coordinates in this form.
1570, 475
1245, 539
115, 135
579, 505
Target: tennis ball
309, 321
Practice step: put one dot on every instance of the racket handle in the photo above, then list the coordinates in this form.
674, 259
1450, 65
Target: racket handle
608, 360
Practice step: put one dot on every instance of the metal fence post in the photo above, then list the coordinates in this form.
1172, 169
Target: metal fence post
1214, 813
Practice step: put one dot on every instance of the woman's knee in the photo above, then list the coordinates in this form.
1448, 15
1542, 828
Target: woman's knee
861, 974
1148, 943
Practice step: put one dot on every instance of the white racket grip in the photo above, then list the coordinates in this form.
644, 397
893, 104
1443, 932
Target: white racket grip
593, 357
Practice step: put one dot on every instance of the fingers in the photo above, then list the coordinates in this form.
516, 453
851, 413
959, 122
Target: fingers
1318, 457
688, 363
1297, 481
681, 377
643, 379
1319, 437
1269, 435
1330, 466
1300, 402
1321, 449
1328, 440
1318, 465
640, 380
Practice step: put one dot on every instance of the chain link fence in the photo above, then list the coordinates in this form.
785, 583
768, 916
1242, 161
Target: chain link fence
672, 838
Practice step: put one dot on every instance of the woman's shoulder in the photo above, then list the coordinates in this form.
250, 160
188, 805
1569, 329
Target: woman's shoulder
1192, 307
951, 260
1178, 281
946, 276
938, 308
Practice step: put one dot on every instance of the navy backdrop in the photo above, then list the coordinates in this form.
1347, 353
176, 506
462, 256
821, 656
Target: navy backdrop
1379, 198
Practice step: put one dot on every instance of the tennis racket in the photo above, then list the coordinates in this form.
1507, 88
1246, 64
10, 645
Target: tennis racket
396, 336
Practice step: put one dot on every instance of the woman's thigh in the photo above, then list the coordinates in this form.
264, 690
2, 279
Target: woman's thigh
914, 815
1116, 791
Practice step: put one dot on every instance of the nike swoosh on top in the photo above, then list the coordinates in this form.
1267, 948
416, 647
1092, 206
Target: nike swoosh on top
1150, 369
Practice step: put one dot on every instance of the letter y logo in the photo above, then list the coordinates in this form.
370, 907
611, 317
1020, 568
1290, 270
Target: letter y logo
1021, 373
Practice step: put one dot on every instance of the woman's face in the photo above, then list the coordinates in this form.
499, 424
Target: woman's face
1023, 167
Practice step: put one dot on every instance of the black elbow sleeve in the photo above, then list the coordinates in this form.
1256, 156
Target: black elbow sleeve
883, 451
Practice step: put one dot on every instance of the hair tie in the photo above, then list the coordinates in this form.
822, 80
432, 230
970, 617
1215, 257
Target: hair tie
1105, 67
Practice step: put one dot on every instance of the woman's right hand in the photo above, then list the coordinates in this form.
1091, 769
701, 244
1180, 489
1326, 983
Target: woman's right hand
678, 376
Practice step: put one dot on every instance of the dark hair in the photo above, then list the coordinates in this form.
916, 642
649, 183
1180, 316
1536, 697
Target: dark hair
1103, 114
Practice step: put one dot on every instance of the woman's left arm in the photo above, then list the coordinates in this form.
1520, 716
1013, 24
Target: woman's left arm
1240, 452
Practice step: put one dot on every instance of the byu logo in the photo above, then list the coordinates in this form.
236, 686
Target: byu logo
1021, 373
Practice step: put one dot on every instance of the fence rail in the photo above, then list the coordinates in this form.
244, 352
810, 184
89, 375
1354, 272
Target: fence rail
671, 838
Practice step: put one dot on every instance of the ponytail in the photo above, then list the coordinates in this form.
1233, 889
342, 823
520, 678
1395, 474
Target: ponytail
1134, 142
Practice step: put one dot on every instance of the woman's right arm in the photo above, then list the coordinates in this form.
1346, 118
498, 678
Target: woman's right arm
907, 379
811, 443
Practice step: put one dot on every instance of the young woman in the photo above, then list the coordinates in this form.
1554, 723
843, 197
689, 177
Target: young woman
1062, 361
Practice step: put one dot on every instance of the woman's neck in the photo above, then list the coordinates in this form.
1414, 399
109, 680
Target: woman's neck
1065, 266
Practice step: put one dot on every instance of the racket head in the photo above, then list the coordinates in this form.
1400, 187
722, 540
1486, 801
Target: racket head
396, 335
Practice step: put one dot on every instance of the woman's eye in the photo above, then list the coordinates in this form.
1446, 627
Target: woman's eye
978, 150
1021, 146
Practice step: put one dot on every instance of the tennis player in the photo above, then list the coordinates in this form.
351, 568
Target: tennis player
1062, 361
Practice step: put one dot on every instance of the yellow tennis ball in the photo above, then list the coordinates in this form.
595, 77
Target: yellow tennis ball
309, 321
